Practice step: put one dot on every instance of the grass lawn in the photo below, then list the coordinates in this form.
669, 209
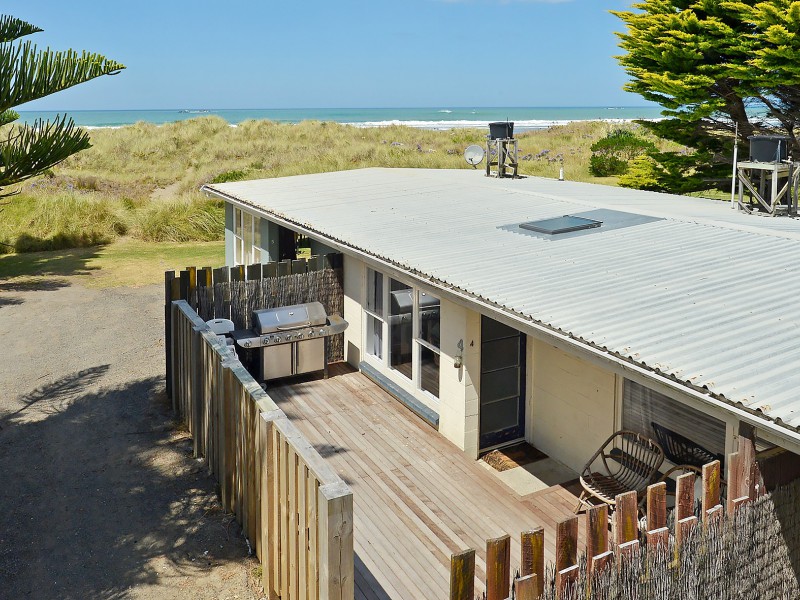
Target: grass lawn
125, 262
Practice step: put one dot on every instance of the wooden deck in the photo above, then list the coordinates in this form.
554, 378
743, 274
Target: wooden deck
417, 498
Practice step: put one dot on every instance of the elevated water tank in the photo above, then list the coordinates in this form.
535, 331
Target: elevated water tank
768, 148
501, 130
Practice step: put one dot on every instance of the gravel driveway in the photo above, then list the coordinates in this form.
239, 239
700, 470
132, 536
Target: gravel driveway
100, 497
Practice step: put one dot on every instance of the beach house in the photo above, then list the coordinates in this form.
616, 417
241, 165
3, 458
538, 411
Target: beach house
549, 311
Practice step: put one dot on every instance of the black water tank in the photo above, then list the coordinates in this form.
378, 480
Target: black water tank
768, 148
501, 130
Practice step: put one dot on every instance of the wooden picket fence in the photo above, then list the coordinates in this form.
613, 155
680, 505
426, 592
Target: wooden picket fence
745, 547
295, 510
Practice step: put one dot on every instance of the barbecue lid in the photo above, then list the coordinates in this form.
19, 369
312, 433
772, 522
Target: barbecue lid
270, 320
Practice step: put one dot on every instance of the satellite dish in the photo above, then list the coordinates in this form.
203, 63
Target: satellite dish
474, 154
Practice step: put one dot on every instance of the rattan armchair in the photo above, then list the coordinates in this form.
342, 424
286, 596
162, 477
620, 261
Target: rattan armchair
626, 462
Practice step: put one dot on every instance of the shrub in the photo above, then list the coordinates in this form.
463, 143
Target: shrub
643, 174
229, 176
611, 154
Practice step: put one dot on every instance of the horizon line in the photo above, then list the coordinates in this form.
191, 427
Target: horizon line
335, 108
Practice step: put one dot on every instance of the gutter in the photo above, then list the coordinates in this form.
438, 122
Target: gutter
755, 418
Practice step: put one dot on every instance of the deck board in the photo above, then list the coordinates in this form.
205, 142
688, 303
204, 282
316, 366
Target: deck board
417, 498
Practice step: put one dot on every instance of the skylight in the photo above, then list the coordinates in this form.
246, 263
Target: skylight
563, 224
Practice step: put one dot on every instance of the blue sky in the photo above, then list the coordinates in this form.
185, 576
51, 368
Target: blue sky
344, 53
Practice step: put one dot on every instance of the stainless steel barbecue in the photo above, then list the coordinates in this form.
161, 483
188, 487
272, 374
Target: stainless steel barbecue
293, 339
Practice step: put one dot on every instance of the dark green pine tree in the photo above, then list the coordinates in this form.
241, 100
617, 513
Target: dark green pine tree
708, 63
26, 74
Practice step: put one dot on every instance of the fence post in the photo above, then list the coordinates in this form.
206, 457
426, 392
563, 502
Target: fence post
173, 354
596, 533
684, 496
713, 516
683, 530
168, 277
532, 543
462, 575
627, 551
734, 471
498, 568
601, 562
749, 472
191, 287
626, 521
526, 587
336, 567
264, 465
197, 390
254, 272
298, 266
711, 486
565, 581
656, 506
566, 543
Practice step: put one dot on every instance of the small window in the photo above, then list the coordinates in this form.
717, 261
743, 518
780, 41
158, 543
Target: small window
563, 224
374, 313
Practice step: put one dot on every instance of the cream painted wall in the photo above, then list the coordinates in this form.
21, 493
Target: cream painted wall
452, 327
472, 383
353, 290
572, 408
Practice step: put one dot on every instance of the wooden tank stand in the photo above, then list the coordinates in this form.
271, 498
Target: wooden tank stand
505, 160
772, 172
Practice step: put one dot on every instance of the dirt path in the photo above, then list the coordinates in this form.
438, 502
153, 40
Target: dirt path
100, 497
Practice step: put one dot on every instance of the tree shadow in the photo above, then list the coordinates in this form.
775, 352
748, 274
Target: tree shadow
101, 494
52, 397
10, 301
55, 263
32, 285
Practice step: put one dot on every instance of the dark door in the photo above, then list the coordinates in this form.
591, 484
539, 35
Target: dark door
502, 393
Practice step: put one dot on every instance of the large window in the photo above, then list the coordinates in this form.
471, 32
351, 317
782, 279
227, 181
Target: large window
643, 407
245, 235
402, 330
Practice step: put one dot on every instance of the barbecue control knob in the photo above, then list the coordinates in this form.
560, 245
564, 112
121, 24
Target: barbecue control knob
322, 332
265, 341
246, 344
277, 338
311, 333
299, 336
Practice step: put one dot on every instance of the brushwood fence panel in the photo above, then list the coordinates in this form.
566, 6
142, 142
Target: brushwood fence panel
747, 551
235, 292
294, 509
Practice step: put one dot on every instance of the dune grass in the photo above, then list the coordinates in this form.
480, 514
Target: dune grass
143, 181
190, 153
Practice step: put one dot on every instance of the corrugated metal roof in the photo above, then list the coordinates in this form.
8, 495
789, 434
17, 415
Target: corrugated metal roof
698, 292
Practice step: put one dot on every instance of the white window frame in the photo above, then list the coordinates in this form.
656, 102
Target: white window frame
383, 363
242, 255
382, 359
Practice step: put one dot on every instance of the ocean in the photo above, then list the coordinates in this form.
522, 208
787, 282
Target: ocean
525, 119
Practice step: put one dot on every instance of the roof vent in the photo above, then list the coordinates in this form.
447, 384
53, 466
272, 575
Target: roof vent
558, 225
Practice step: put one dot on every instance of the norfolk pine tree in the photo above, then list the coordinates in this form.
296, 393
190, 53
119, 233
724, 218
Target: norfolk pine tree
26, 74
708, 63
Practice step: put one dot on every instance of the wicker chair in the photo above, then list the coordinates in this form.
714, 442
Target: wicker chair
683, 451
626, 462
